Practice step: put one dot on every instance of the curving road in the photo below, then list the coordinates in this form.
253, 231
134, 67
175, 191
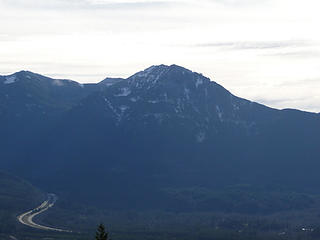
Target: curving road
27, 217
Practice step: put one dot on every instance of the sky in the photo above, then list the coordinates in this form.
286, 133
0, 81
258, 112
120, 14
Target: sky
262, 50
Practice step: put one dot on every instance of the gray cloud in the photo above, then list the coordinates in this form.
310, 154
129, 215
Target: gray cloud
304, 82
247, 45
308, 103
119, 4
240, 3
84, 4
276, 101
296, 54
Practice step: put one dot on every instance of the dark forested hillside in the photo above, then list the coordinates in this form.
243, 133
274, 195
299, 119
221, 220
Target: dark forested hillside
16, 196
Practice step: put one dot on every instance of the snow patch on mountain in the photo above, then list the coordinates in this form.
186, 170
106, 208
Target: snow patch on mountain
165, 95
10, 79
187, 93
123, 108
153, 101
149, 77
201, 136
219, 113
179, 106
199, 82
134, 99
159, 117
118, 111
58, 83
110, 106
124, 92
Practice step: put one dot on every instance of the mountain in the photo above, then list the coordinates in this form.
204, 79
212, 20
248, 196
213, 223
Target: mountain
167, 138
29, 103
110, 81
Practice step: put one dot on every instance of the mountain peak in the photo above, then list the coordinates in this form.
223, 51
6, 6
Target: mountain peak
11, 78
14, 77
24, 73
110, 81
163, 67
31, 78
165, 74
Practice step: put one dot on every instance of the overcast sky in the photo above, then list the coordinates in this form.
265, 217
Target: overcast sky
263, 50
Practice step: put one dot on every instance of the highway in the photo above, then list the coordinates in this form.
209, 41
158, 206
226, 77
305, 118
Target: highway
27, 217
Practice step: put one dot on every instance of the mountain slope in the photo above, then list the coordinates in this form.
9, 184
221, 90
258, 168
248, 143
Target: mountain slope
16, 196
29, 103
170, 128
166, 132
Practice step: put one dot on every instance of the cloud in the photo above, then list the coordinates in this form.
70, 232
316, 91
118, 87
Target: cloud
85, 4
307, 103
277, 101
114, 4
304, 82
241, 3
312, 53
247, 45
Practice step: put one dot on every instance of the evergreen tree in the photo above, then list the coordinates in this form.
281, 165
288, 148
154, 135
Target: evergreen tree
101, 233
